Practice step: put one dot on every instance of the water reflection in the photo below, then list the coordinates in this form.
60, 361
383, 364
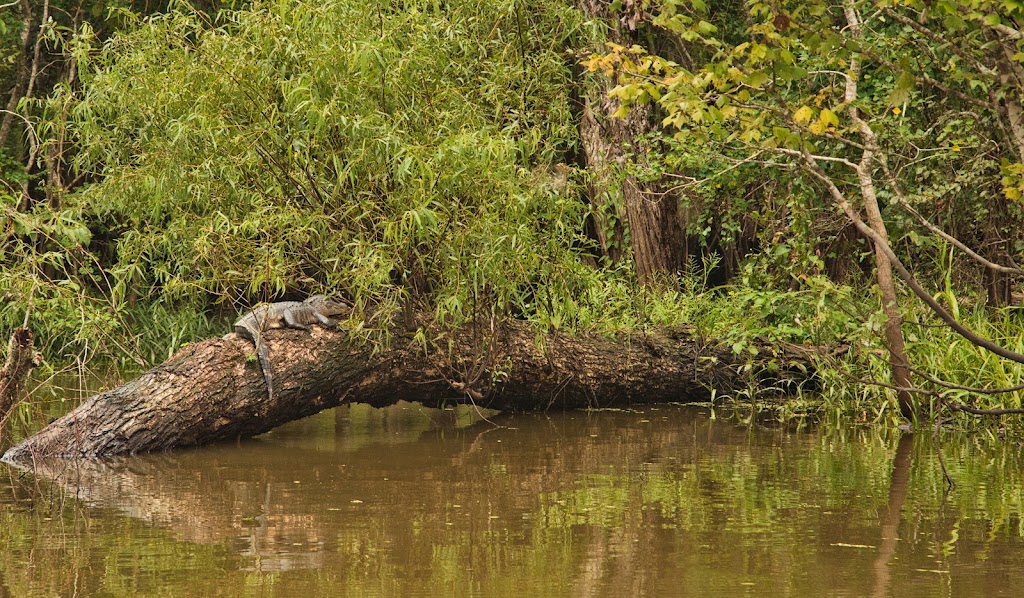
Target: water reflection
407, 501
893, 514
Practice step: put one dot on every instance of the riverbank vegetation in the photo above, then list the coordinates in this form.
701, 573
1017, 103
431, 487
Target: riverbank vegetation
748, 171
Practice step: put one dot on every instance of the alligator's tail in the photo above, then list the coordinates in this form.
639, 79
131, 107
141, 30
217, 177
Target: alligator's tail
264, 356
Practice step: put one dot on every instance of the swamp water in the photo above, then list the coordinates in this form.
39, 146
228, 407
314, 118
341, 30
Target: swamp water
656, 501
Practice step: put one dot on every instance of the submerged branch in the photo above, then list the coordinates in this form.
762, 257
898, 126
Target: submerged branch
21, 358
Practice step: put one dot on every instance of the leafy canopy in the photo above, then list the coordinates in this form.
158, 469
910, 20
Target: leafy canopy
937, 83
383, 153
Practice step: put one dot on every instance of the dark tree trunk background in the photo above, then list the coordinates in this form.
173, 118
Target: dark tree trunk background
656, 224
213, 391
21, 358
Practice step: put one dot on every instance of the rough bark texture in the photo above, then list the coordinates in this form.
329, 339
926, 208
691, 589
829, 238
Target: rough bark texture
20, 359
212, 391
656, 229
898, 361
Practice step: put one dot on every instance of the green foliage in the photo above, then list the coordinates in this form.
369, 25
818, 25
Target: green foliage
379, 153
406, 153
386, 154
904, 100
778, 88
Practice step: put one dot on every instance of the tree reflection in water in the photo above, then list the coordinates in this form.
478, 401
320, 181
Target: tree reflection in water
407, 501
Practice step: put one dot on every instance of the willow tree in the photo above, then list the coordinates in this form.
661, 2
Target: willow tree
402, 156
45, 257
890, 109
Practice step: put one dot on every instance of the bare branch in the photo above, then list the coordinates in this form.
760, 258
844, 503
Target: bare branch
815, 169
36, 51
970, 389
902, 200
976, 411
817, 158
33, 138
942, 41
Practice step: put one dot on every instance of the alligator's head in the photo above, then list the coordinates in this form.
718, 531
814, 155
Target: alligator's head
327, 306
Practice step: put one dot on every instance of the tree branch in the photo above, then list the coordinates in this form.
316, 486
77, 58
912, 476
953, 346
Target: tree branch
976, 411
902, 200
971, 389
901, 269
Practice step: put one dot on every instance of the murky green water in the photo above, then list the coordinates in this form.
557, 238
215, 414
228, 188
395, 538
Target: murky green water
400, 502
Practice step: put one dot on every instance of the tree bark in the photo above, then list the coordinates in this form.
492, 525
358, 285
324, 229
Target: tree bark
21, 358
656, 227
21, 72
899, 363
898, 360
213, 391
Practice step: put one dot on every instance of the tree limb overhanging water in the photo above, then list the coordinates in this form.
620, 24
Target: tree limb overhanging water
210, 391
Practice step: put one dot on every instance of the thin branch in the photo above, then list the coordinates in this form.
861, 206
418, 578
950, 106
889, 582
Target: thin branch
942, 41
33, 138
911, 389
970, 389
976, 411
37, 50
1008, 32
817, 158
902, 200
937, 441
693, 181
815, 169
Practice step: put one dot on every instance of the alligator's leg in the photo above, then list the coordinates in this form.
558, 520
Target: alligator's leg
325, 321
292, 322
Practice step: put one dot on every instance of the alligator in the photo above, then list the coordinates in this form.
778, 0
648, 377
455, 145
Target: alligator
286, 314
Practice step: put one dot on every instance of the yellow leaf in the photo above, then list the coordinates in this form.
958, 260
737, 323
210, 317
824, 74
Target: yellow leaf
828, 118
803, 115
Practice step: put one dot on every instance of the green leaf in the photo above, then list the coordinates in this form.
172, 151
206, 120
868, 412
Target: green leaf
781, 134
902, 89
829, 118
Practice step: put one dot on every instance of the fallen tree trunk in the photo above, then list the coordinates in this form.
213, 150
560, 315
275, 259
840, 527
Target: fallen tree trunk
214, 391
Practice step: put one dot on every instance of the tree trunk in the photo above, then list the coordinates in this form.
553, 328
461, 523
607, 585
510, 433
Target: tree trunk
213, 391
21, 358
21, 72
899, 363
657, 236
